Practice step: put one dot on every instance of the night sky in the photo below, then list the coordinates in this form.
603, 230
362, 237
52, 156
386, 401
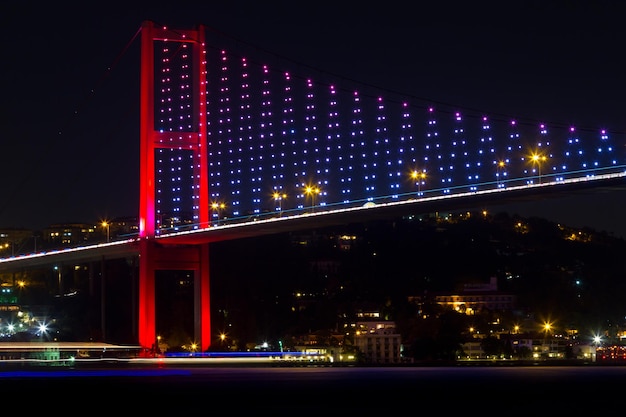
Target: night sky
70, 83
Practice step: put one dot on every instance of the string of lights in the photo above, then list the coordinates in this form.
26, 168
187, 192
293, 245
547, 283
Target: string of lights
272, 132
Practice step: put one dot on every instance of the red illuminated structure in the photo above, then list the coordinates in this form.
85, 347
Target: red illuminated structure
154, 256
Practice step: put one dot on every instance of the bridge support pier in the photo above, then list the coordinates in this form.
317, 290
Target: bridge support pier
154, 257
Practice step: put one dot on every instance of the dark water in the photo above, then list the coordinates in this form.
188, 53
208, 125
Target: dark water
321, 391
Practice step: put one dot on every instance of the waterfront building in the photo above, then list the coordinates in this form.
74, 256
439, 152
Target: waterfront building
378, 342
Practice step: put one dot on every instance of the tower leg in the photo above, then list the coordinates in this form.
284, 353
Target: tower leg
147, 310
202, 303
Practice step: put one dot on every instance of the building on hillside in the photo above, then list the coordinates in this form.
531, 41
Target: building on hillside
124, 227
478, 297
378, 342
15, 242
71, 234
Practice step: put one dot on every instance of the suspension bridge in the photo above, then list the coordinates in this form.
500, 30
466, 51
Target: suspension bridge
233, 147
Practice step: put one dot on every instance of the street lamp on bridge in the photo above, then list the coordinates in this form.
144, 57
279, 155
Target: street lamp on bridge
419, 177
217, 207
312, 191
538, 159
278, 198
500, 174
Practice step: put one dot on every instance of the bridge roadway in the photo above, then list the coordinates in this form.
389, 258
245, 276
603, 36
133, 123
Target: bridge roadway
326, 217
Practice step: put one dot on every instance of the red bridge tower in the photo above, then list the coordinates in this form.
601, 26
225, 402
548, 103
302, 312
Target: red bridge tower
152, 255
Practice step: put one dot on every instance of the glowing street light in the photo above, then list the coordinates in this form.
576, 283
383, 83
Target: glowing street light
107, 225
59, 273
538, 159
216, 209
278, 198
597, 340
223, 340
157, 346
500, 174
419, 177
547, 328
312, 192
42, 330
